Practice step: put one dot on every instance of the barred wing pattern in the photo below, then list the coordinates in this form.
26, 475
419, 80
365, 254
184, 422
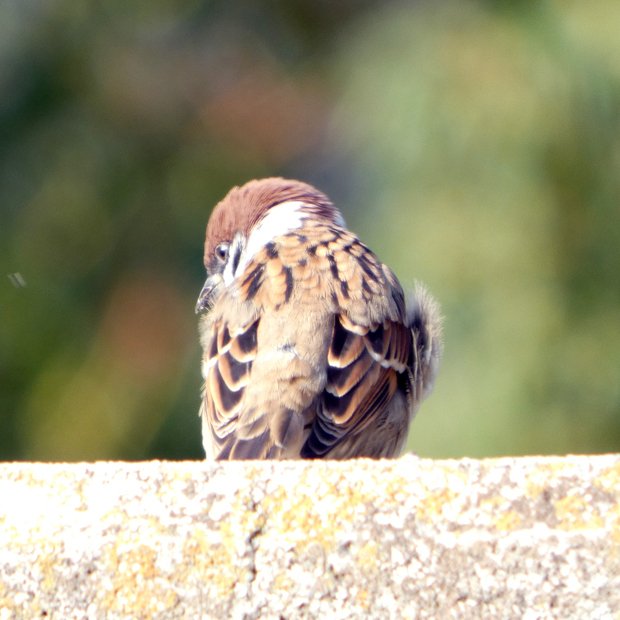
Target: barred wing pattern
365, 368
320, 279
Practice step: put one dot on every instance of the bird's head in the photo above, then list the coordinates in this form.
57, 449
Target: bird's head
251, 216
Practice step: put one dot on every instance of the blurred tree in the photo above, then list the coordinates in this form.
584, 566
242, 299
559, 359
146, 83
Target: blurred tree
483, 136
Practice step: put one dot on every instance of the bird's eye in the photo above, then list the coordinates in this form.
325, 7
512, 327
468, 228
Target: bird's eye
221, 252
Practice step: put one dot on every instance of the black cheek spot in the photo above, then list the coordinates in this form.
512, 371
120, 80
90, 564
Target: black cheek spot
236, 259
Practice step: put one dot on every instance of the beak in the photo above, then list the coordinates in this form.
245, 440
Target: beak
205, 299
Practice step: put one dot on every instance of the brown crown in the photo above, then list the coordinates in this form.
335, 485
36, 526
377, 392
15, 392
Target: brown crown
244, 206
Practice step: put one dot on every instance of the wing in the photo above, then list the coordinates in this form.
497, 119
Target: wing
366, 367
234, 426
365, 407
326, 371
259, 382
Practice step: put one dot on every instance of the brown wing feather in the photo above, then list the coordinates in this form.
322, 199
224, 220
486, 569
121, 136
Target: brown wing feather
365, 368
327, 272
229, 364
235, 428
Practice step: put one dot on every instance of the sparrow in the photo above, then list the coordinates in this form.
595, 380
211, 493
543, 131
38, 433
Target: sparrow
309, 349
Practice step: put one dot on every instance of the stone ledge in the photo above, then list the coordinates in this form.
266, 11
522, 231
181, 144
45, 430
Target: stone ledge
535, 537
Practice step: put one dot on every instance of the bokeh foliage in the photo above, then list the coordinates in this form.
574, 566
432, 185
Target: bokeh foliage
473, 145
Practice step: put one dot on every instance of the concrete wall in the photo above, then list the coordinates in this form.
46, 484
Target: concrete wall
411, 538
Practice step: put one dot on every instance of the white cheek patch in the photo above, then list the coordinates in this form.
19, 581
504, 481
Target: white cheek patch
281, 219
228, 276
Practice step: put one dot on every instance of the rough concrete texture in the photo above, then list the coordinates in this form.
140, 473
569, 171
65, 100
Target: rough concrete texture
409, 538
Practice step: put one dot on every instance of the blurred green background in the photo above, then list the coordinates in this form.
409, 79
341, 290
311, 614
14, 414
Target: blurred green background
472, 145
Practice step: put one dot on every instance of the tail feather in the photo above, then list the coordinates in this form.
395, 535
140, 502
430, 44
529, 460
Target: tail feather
426, 323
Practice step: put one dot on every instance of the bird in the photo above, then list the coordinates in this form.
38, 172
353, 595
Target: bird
310, 348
